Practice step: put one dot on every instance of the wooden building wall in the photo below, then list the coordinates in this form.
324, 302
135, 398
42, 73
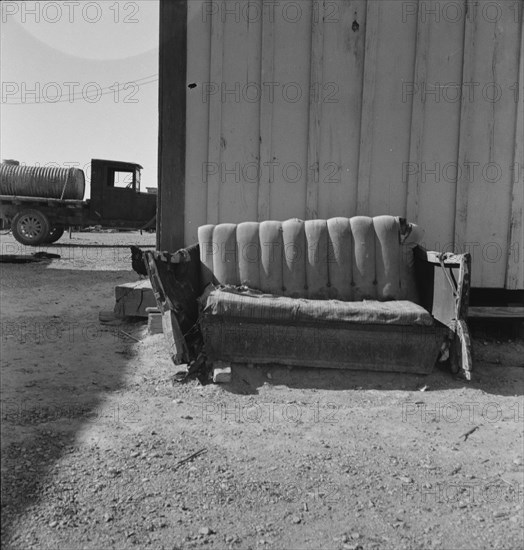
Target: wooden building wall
321, 108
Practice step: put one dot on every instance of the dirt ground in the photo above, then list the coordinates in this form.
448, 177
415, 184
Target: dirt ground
94, 431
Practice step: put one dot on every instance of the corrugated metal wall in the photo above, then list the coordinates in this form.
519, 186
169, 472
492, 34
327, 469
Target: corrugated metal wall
321, 108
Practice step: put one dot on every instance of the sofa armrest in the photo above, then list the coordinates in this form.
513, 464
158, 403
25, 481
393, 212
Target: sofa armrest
175, 279
444, 282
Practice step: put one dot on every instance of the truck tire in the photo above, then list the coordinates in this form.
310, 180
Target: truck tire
55, 233
30, 227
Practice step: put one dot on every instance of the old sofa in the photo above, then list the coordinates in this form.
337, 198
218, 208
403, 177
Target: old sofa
357, 293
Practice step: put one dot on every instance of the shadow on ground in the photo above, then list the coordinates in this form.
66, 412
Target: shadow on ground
58, 366
501, 376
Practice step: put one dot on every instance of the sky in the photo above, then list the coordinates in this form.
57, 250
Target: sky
79, 80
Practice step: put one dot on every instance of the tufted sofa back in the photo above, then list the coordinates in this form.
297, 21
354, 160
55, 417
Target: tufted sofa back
341, 258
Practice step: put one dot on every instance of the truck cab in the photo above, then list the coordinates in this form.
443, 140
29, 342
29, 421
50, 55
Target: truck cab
116, 197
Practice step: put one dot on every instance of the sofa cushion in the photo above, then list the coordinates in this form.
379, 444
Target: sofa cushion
232, 303
340, 258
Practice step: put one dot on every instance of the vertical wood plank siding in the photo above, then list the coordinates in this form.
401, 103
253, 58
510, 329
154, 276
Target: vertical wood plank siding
315, 111
368, 115
215, 105
324, 108
172, 124
431, 169
197, 116
515, 269
266, 178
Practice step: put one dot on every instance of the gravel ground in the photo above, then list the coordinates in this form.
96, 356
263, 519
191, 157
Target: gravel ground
95, 435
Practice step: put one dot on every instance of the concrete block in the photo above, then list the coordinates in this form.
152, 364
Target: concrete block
222, 374
154, 324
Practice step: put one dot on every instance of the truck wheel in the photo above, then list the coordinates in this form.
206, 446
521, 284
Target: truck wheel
30, 227
54, 234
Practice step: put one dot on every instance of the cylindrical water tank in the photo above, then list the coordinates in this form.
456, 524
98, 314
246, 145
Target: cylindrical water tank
37, 181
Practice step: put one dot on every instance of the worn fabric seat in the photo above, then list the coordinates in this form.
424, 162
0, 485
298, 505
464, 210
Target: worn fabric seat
235, 304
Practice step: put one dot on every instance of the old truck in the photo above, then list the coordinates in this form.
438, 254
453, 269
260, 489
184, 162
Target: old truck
41, 202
